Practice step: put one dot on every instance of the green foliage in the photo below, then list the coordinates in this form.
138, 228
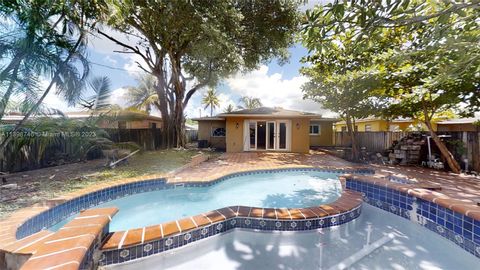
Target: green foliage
201, 42
230, 108
43, 40
418, 58
250, 103
143, 96
210, 99
101, 86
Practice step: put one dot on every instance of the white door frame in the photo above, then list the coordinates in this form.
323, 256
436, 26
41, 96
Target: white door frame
276, 136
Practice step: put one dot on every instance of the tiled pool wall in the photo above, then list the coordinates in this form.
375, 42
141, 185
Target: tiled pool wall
261, 224
58, 213
89, 261
456, 227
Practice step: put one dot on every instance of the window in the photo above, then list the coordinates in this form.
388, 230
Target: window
344, 129
314, 129
122, 124
153, 125
218, 132
394, 128
356, 128
368, 127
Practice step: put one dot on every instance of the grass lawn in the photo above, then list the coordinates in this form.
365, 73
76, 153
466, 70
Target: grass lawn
38, 185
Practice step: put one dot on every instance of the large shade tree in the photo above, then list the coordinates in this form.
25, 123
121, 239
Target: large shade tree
188, 45
338, 76
434, 68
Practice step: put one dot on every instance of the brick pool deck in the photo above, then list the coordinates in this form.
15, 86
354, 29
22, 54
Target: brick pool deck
453, 187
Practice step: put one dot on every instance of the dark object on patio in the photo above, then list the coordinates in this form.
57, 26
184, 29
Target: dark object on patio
4, 179
202, 143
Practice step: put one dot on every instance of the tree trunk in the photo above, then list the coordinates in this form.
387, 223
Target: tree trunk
352, 134
163, 108
446, 154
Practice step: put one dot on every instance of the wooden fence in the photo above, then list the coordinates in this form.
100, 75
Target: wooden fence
148, 139
65, 149
191, 135
372, 141
380, 141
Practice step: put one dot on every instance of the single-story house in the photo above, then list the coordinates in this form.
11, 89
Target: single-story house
379, 124
121, 120
266, 129
461, 124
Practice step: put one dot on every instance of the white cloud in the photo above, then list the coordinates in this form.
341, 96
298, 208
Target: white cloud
110, 60
273, 90
119, 97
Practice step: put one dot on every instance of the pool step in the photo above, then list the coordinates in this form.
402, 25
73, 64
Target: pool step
73, 246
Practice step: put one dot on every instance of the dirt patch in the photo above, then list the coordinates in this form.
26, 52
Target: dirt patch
26, 188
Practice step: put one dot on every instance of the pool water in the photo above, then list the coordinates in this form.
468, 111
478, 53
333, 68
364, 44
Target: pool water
413, 247
270, 189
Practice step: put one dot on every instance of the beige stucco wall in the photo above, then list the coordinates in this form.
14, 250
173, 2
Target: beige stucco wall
378, 125
325, 138
234, 134
205, 129
300, 135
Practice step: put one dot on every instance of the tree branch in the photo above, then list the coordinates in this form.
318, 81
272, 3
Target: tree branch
133, 49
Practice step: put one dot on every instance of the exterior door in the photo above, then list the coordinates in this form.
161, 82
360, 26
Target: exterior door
275, 135
271, 135
283, 137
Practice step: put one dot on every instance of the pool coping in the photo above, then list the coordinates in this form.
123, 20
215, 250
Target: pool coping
345, 203
9, 227
456, 220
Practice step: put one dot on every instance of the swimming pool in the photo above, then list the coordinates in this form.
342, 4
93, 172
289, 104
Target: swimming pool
286, 189
412, 247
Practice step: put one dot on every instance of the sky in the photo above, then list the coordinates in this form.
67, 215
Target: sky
274, 84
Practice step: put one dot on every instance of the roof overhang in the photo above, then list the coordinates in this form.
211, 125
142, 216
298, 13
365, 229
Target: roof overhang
209, 119
324, 119
268, 116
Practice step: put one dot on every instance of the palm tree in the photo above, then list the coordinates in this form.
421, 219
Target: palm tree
211, 100
144, 95
250, 102
44, 39
101, 86
230, 108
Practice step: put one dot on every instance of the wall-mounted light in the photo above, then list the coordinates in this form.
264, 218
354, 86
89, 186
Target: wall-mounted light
237, 125
298, 125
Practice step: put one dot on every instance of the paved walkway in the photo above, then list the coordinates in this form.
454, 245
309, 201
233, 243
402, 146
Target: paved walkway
462, 187
237, 162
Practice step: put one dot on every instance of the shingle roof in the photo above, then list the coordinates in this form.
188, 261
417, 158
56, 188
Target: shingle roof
268, 111
459, 121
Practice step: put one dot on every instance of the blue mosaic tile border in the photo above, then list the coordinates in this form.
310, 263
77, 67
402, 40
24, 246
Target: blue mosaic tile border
458, 228
116, 256
58, 213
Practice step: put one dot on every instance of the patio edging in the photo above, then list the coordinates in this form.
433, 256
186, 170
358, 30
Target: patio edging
449, 218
